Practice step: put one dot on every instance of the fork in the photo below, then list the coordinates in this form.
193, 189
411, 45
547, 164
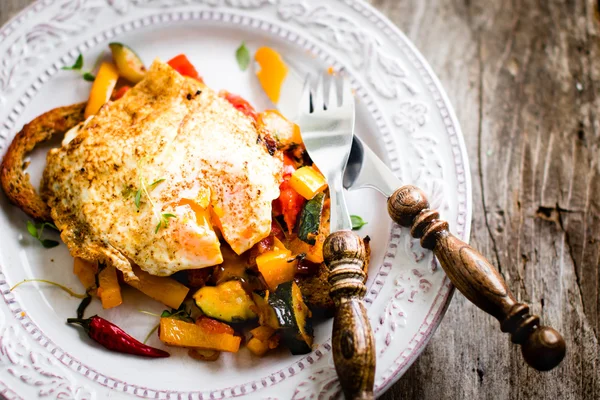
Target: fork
326, 120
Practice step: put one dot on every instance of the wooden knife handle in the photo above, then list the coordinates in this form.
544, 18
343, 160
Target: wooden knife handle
543, 347
353, 344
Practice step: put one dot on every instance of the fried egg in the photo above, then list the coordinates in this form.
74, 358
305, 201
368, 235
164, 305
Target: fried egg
156, 177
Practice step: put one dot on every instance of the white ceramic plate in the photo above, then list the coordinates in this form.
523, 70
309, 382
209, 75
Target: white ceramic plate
402, 112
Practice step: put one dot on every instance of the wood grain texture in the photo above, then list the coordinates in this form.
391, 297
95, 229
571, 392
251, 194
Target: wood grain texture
523, 76
352, 341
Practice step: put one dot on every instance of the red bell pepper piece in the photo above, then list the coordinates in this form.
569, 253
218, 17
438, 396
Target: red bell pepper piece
239, 103
121, 92
291, 204
182, 65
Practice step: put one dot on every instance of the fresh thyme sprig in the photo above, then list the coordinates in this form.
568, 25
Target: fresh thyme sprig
163, 218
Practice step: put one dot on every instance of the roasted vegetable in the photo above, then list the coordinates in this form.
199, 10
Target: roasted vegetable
266, 313
310, 219
166, 290
232, 268
239, 103
272, 72
285, 132
128, 63
102, 89
182, 65
109, 290
293, 316
86, 272
307, 181
290, 203
227, 302
179, 333
277, 265
263, 339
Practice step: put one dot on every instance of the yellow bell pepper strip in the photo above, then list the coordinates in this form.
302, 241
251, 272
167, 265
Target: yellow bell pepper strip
285, 132
174, 332
166, 290
109, 290
272, 72
308, 182
276, 266
102, 89
86, 272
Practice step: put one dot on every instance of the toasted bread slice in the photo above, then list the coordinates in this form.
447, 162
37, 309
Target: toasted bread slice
13, 179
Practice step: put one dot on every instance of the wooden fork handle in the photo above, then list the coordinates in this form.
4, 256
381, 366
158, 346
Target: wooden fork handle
543, 347
352, 340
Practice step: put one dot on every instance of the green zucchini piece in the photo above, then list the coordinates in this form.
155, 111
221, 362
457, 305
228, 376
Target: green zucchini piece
266, 313
310, 219
129, 64
293, 316
227, 302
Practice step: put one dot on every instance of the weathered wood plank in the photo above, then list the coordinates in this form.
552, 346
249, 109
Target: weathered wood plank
524, 78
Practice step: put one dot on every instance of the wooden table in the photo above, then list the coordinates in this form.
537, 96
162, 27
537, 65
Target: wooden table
524, 78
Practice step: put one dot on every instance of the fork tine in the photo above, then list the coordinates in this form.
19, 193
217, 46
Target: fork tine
305, 100
319, 96
332, 98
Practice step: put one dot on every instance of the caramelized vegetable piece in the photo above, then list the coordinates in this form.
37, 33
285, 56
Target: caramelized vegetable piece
239, 103
266, 313
310, 219
179, 333
277, 265
272, 72
109, 290
308, 182
313, 253
86, 272
227, 302
258, 347
102, 89
290, 203
262, 332
128, 63
294, 317
204, 355
285, 132
166, 290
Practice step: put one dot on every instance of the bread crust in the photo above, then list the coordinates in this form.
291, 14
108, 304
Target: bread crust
14, 180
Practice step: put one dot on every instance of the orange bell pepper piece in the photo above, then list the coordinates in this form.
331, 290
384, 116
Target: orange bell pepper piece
102, 89
179, 333
272, 72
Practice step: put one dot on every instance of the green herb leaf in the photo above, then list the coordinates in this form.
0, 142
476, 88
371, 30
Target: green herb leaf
138, 198
32, 229
77, 66
165, 218
88, 76
48, 244
158, 226
357, 222
156, 182
36, 231
242, 55
181, 314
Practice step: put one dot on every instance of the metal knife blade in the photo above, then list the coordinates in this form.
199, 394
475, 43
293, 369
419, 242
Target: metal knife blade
366, 169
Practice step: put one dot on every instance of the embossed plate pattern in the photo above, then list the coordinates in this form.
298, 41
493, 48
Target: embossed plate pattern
402, 112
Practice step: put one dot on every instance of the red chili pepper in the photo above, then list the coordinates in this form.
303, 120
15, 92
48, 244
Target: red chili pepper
239, 103
182, 65
114, 338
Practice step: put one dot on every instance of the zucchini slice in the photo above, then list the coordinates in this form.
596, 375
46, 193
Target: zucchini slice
266, 313
129, 64
227, 302
310, 219
293, 316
